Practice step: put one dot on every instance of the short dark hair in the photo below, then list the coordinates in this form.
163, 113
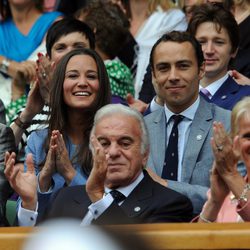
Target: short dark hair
66, 26
110, 24
218, 15
179, 37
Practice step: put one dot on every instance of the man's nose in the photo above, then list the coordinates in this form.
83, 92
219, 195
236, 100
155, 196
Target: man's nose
173, 74
208, 47
113, 150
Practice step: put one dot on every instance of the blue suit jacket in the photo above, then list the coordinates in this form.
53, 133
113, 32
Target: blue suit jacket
198, 156
229, 94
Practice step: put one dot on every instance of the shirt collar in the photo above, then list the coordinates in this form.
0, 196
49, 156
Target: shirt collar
189, 113
214, 86
128, 189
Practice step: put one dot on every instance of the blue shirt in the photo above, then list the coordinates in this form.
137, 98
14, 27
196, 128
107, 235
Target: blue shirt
18, 47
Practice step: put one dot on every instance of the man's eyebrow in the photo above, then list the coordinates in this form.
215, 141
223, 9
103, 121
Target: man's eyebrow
101, 137
161, 64
184, 61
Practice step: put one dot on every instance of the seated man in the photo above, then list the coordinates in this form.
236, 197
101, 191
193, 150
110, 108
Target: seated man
118, 190
180, 133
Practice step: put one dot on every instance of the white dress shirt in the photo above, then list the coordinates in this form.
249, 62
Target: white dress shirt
183, 130
29, 217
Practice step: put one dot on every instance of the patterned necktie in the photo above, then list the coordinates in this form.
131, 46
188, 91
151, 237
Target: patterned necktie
118, 196
170, 167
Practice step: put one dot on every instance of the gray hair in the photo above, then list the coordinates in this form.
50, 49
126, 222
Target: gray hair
112, 109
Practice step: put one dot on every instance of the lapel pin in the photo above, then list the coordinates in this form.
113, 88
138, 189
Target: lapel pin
199, 137
137, 209
223, 97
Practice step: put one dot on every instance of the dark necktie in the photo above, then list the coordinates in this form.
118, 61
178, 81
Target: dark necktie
170, 167
118, 196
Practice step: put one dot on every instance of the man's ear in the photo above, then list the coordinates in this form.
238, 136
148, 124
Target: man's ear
202, 71
145, 158
153, 77
233, 54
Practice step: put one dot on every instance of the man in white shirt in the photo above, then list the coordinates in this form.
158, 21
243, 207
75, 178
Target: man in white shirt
182, 159
120, 147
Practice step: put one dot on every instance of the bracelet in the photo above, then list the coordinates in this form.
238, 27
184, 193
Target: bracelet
20, 124
204, 219
243, 196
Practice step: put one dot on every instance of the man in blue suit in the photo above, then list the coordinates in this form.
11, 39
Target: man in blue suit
217, 31
177, 65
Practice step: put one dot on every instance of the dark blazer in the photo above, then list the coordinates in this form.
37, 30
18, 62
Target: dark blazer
7, 143
149, 202
2, 113
229, 94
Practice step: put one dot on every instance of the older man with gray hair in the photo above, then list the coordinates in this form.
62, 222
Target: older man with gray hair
118, 190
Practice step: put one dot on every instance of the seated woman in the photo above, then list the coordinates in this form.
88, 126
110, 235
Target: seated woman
111, 29
22, 30
61, 153
229, 197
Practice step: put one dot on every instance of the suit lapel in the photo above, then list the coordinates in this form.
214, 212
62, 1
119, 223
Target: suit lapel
199, 130
140, 198
81, 202
225, 92
158, 141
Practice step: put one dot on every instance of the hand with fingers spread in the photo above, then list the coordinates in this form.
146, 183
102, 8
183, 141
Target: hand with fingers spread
96, 180
24, 183
225, 157
63, 163
49, 168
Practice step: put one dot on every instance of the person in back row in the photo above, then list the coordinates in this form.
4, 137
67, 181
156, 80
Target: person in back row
217, 31
180, 133
118, 189
111, 28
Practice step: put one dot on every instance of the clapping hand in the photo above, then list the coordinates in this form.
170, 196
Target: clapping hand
225, 156
96, 180
63, 163
45, 70
24, 183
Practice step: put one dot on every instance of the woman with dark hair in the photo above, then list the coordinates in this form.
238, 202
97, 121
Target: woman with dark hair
61, 154
23, 27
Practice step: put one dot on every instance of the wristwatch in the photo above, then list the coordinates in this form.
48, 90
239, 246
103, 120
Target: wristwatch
4, 66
